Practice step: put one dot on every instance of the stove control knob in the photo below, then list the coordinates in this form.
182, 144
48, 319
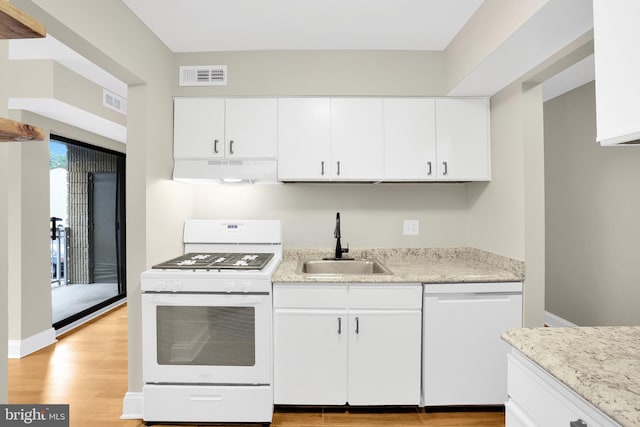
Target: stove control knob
245, 286
161, 286
177, 285
230, 285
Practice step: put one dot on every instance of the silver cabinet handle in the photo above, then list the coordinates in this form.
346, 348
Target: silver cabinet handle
338, 168
429, 169
322, 168
577, 423
215, 146
339, 325
357, 325
231, 146
445, 168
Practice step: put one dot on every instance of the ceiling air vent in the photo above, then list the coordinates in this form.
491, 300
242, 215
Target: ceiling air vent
113, 101
203, 75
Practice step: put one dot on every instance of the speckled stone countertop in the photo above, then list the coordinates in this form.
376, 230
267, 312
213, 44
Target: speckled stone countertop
449, 265
605, 370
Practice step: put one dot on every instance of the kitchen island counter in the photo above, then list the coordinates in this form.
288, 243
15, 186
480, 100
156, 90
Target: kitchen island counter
448, 265
600, 364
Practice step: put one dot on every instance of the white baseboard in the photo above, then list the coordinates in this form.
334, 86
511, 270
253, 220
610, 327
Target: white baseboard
80, 322
132, 406
554, 321
17, 349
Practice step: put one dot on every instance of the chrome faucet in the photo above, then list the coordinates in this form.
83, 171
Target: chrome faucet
336, 234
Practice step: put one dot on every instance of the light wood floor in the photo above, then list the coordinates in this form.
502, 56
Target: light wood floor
87, 369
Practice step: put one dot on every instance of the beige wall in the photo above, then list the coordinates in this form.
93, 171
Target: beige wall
29, 281
592, 229
534, 220
371, 215
4, 228
505, 216
295, 73
4, 258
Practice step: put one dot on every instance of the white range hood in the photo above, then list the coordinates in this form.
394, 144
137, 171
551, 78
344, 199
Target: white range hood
225, 171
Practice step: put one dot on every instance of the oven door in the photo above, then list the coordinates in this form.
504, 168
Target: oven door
206, 338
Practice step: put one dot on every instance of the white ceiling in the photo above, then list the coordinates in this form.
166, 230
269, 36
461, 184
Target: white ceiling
240, 25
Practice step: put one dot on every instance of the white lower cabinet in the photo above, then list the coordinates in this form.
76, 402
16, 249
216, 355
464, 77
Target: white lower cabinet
347, 343
538, 399
310, 360
464, 358
384, 358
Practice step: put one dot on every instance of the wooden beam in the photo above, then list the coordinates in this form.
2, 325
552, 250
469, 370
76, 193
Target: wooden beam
15, 131
15, 24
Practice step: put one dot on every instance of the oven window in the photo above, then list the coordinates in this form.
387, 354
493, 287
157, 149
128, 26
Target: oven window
218, 336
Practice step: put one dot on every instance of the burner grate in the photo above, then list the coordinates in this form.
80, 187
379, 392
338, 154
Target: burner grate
217, 261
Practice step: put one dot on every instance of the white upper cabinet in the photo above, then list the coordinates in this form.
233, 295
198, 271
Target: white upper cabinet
341, 139
357, 144
206, 128
330, 139
463, 140
251, 128
410, 139
304, 142
198, 128
617, 67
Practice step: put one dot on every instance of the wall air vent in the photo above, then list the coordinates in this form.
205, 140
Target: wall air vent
203, 75
113, 101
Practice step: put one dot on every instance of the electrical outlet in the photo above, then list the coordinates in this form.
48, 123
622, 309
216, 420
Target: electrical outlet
411, 227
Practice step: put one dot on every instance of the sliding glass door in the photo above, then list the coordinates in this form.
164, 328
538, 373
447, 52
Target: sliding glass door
87, 229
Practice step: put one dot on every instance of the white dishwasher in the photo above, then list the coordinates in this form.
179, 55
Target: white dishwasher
464, 358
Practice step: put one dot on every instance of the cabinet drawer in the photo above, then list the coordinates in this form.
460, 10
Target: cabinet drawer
183, 403
545, 400
310, 296
385, 296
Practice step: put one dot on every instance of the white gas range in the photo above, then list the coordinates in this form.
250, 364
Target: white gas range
207, 325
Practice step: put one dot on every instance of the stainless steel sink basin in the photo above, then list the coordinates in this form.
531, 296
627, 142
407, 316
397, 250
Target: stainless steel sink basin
332, 267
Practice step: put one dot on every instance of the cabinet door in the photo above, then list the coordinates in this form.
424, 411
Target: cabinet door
384, 357
462, 135
198, 128
617, 66
465, 361
409, 139
357, 145
515, 416
304, 138
251, 128
310, 357
542, 400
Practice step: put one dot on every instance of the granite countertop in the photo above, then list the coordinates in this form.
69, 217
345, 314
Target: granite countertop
449, 265
601, 364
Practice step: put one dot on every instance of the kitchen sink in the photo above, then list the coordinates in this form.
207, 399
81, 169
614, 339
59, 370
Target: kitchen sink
335, 267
